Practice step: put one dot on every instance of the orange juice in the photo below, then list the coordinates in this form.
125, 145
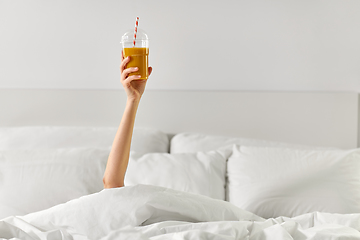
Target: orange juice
138, 58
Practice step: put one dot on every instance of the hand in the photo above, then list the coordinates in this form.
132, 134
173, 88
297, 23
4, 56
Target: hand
134, 87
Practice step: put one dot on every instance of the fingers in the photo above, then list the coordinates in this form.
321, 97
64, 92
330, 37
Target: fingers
126, 72
123, 63
122, 55
129, 79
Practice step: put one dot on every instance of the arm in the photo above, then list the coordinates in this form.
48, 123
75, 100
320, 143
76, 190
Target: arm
119, 156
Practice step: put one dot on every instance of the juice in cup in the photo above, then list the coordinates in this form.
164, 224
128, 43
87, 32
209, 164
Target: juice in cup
138, 58
138, 52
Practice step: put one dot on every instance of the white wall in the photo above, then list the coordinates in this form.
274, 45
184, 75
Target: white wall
303, 45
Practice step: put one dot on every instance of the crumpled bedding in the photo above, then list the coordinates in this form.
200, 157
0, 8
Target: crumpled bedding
156, 213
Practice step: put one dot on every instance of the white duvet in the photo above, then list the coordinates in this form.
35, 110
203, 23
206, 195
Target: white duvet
148, 212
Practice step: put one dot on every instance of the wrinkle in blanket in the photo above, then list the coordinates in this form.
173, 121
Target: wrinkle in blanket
149, 212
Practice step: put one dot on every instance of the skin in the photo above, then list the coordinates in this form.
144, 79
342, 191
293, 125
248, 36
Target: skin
119, 156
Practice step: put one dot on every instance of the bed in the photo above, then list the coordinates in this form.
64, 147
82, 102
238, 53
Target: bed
267, 166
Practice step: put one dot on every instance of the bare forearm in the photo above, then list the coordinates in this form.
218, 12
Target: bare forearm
119, 156
120, 151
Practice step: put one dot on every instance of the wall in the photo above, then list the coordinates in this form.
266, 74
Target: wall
279, 45
307, 118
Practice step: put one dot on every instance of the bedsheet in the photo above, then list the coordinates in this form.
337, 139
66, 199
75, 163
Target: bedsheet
156, 213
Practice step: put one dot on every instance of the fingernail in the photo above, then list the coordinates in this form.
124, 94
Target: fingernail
135, 68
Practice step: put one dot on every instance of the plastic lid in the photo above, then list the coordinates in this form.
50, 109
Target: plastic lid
129, 36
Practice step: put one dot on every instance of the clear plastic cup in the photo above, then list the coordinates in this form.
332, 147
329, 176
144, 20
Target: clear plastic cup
139, 54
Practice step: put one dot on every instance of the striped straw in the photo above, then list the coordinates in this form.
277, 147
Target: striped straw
136, 26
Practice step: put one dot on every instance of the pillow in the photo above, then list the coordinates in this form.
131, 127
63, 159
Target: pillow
194, 142
200, 173
33, 180
144, 140
272, 182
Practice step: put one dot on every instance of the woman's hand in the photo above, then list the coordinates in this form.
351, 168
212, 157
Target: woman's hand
133, 86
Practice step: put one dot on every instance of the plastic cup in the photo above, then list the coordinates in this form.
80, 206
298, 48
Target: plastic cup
139, 54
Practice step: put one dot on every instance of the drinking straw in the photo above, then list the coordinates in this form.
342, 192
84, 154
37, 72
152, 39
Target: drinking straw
136, 25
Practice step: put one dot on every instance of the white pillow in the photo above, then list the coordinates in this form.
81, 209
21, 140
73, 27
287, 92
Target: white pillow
272, 182
144, 140
201, 173
32, 180
194, 142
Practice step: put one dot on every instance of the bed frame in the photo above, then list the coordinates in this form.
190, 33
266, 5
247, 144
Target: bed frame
312, 118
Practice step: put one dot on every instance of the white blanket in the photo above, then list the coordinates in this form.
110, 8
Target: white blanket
148, 212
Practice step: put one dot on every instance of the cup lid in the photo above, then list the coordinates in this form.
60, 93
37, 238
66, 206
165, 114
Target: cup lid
129, 35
